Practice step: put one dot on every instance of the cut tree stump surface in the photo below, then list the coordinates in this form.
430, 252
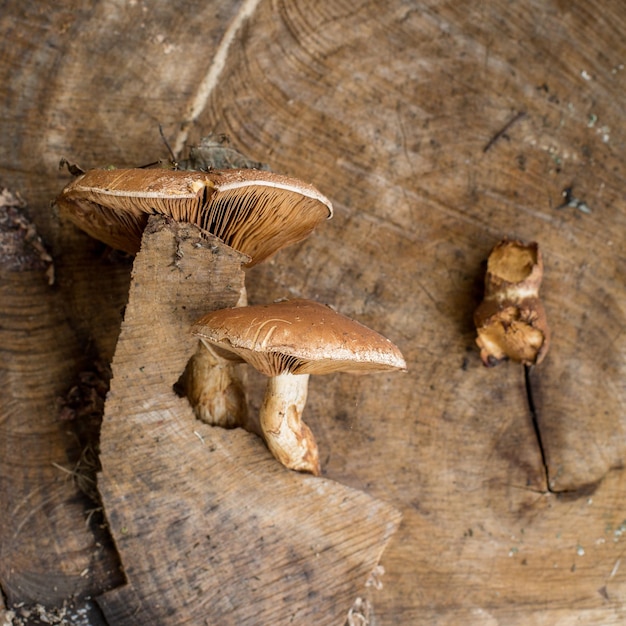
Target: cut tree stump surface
204, 510
408, 117
49, 550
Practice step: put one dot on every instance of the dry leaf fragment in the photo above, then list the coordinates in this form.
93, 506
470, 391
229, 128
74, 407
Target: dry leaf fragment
214, 152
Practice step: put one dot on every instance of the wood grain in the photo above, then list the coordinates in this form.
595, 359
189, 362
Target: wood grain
388, 111
203, 510
51, 547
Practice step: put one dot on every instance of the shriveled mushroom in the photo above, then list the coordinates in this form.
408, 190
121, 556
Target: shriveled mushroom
288, 341
511, 321
255, 212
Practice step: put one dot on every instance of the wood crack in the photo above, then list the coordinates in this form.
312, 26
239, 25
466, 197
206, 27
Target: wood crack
581, 491
502, 132
211, 79
535, 422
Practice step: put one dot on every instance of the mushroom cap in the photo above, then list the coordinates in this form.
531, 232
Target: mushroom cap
298, 337
256, 212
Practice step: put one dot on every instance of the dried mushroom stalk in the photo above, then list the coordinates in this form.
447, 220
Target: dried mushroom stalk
511, 321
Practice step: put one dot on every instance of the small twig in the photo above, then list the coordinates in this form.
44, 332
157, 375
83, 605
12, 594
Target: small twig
74, 473
169, 149
91, 512
63, 469
518, 116
173, 162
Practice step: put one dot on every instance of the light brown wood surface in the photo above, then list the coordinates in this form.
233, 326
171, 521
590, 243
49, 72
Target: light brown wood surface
205, 511
388, 111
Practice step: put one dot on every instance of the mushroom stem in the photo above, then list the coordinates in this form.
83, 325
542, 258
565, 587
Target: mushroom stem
289, 439
214, 386
214, 389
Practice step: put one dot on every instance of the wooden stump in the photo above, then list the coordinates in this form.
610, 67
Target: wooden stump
408, 118
52, 548
208, 511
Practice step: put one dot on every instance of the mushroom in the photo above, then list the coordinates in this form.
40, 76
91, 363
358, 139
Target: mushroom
255, 212
288, 341
511, 321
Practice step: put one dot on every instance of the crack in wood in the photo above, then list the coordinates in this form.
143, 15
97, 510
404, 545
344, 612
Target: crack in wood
578, 492
535, 422
211, 79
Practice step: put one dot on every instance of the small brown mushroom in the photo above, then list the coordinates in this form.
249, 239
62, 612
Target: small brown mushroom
511, 321
288, 341
255, 212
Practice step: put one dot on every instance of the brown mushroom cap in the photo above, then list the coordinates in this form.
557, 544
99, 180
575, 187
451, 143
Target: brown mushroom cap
255, 212
298, 337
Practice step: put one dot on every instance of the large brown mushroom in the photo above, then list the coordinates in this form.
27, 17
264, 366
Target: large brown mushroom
288, 341
255, 212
